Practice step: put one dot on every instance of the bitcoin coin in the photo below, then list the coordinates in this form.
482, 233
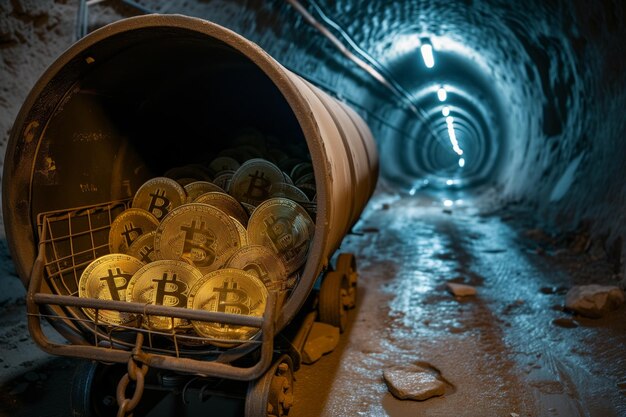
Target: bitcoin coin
226, 203
223, 163
285, 227
261, 262
243, 233
287, 179
228, 291
198, 233
251, 183
224, 179
167, 283
309, 190
159, 196
107, 278
249, 208
288, 191
143, 248
197, 188
300, 170
128, 227
305, 179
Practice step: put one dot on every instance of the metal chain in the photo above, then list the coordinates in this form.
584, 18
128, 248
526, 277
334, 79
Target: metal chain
135, 373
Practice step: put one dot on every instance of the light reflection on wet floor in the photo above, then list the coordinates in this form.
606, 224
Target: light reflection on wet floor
499, 349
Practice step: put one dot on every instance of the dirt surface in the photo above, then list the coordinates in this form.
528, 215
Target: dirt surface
510, 350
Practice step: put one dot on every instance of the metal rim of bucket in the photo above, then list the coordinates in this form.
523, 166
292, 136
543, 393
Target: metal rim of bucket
24, 141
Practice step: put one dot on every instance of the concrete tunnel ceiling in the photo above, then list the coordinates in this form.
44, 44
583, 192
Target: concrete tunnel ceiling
536, 89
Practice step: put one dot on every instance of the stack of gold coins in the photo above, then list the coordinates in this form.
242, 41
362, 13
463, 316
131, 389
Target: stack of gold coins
216, 237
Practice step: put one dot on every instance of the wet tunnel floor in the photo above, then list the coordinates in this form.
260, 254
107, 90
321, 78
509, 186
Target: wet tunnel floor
500, 350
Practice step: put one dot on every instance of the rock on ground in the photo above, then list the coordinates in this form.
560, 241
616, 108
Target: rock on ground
461, 290
323, 338
594, 300
413, 383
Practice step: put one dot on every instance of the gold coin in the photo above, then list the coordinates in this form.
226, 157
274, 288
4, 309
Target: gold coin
143, 248
309, 190
243, 233
163, 282
300, 170
199, 234
224, 179
252, 182
288, 191
305, 179
228, 291
159, 196
285, 227
107, 278
249, 208
128, 227
261, 262
226, 203
197, 188
287, 179
223, 163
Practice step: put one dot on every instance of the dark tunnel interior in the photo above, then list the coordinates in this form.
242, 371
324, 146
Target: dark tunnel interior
517, 107
535, 91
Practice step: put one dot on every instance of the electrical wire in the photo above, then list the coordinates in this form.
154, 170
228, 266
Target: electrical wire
372, 67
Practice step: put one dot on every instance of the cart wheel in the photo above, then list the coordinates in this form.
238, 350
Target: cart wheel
93, 389
272, 394
334, 299
346, 264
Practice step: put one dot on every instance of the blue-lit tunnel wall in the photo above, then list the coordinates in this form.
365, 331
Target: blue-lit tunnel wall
537, 89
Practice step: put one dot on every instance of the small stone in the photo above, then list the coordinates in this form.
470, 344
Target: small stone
385, 206
514, 415
460, 290
413, 383
594, 300
323, 338
565, 322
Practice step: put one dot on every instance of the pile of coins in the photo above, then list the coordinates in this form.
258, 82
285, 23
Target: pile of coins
217, 245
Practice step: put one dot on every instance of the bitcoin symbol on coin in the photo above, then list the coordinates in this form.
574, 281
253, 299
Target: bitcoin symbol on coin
200, 250
258, 271
259, 187
238, 303
159, 204
279, 232
113, 279
145, 254
131, 233
172, 289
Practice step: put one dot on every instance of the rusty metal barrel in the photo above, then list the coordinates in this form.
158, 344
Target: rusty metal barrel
93, 127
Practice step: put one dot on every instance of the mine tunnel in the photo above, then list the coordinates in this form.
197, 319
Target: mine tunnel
500, 200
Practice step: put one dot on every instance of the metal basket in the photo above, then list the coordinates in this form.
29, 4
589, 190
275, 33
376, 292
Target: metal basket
68, 241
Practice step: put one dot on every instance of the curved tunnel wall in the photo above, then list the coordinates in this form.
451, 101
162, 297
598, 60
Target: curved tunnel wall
547, 83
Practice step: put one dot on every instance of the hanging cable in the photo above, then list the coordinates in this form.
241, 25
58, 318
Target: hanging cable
370, 66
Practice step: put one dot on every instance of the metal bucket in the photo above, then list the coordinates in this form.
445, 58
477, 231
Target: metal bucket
89, 132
